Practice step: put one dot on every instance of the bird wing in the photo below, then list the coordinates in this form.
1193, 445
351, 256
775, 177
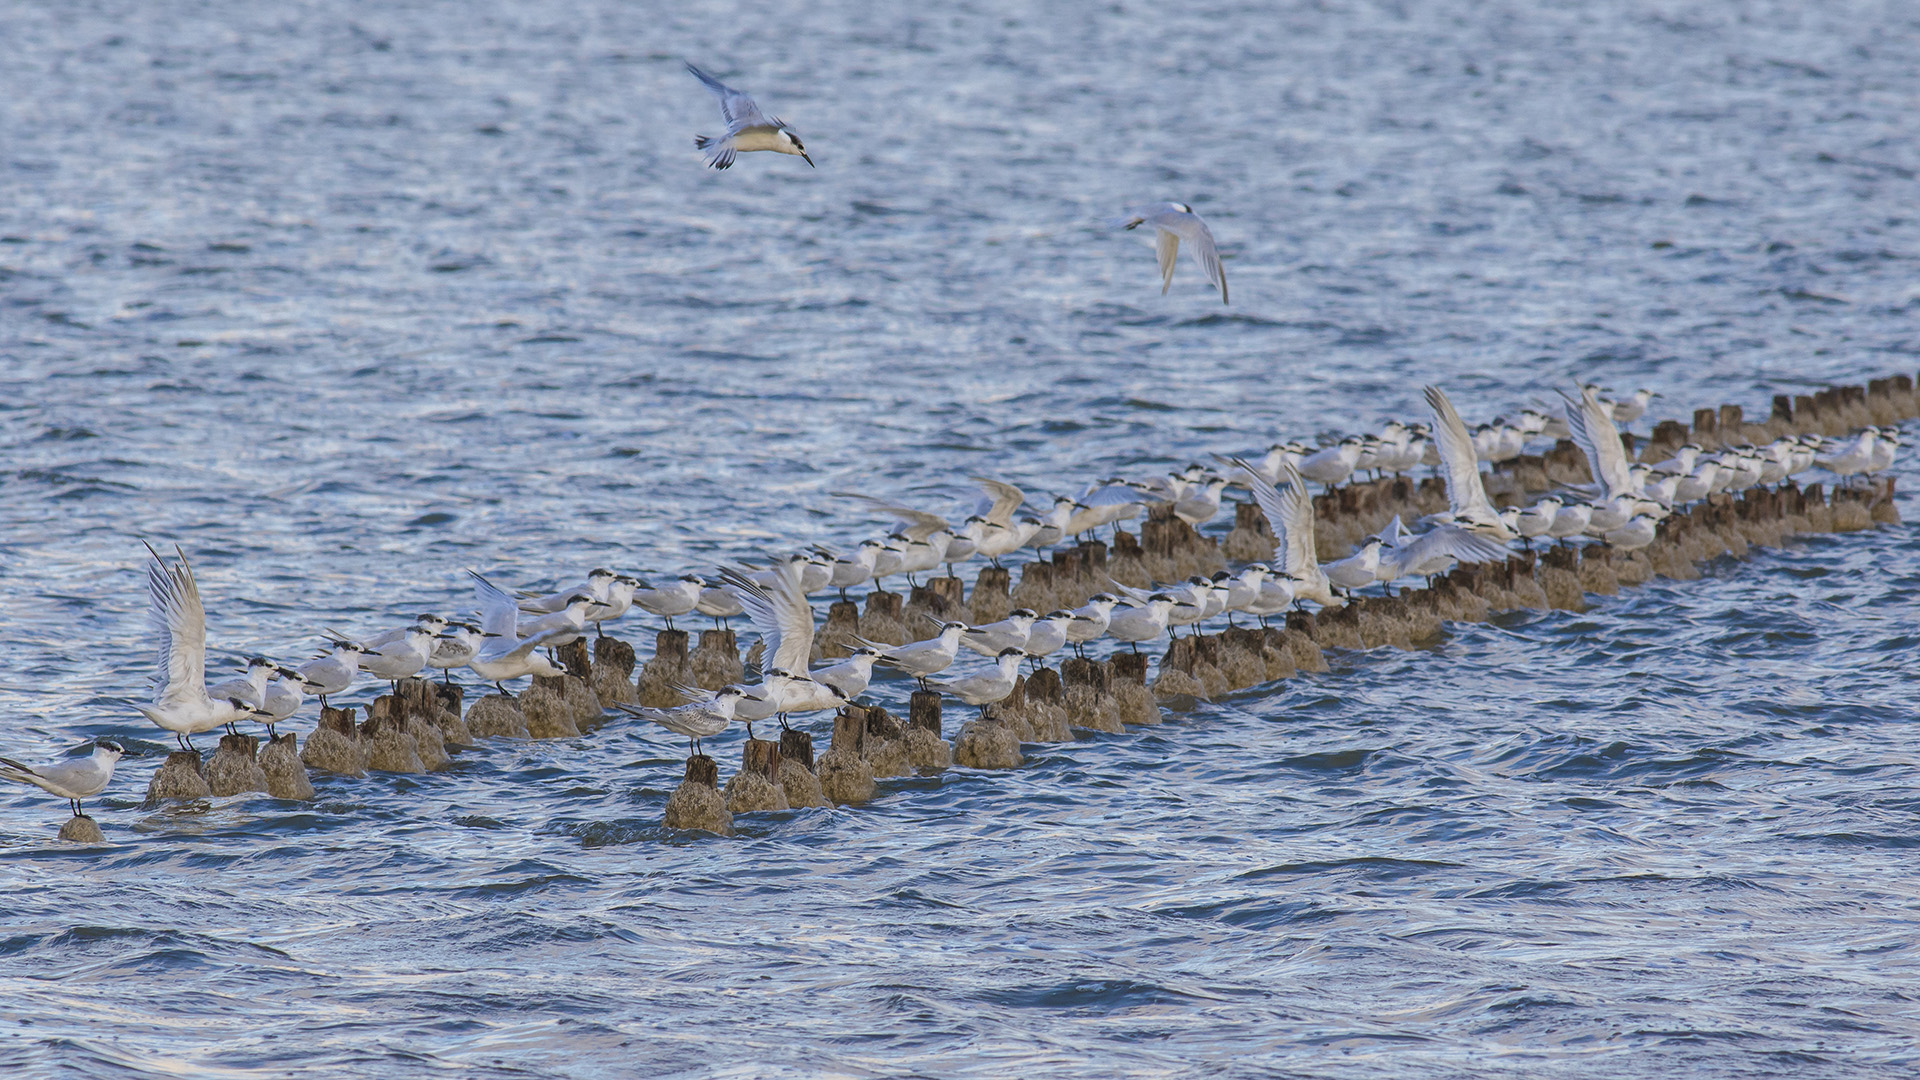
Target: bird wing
1290, 515
1166, 245
1466, 546
1006, 499
1199, 238
918, 524
1593, 430
1466, 494
177, 614
499, 615
783, 617
736, 105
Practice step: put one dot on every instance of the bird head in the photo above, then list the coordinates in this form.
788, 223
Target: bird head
788, 137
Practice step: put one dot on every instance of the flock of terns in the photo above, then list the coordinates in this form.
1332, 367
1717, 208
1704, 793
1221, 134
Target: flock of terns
512, 635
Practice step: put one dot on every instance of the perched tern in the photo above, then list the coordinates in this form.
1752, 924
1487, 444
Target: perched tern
706, 716
1289, 515
71, 780
181, 703
987, 687
668, 601
930, 657
333, 671
508, 655
1009, 633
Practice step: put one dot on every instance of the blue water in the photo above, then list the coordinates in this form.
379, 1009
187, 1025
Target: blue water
345, 298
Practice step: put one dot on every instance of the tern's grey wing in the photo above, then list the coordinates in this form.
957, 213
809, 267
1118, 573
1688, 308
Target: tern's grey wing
1110, 495
1593, 430
499, 615
1199, 239
919, 523
177, 614
1290, 514
1166, 244
1467, 547
1006, 499
1466, 493
736, 105
783, 617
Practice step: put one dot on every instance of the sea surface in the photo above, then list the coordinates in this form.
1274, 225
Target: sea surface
345, 298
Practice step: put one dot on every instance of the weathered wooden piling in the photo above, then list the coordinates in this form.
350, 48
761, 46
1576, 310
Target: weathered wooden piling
335, 744
843, 771
1252, 538
697, 804
797, 780
544, 704
1035, 591
840, 636
756, 786
390, 748
449, 698
426, 720
992, 597
613, 679
235, 766
885, 744
1127, 561
884, 620
495, 716
716, 662
938, 599
286, 775
987, 743
180, 777
1043, 708
667, 668
926, 749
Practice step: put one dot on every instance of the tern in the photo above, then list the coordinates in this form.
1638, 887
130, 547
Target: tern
1090, 620
598, 585
71, 780
987, 687
1637, 533
1172, 223
1591, 423
399, 659
719, 605
1049, 635
702, 718
852, 675
1145, 622
251, 689
1356, 571
1009, 633
285, 694
1467, 500
181, 703
783, 617
667, 601
333, 671
1434, 552
456, 648
929, 657
1289, 515
748, 128
507, 655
